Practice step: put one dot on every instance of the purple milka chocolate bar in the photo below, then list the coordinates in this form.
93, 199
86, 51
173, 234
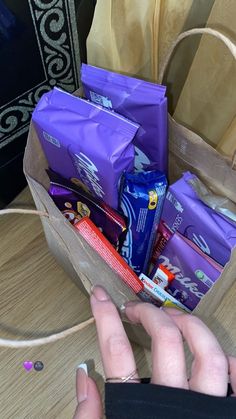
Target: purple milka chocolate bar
183, 211
195, 272
138, 100
85, 141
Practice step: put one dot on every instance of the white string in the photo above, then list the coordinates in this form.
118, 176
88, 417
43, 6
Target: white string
23, 211
8, 343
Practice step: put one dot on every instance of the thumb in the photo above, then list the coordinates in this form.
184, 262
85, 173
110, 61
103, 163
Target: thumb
89, 400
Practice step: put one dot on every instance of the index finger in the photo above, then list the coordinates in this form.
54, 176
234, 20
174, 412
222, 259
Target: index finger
117, 355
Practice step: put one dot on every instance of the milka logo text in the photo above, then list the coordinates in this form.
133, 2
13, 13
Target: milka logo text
184, 280
87, 171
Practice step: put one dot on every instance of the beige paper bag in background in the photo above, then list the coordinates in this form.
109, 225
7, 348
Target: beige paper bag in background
208, 99
123, 36
134, 36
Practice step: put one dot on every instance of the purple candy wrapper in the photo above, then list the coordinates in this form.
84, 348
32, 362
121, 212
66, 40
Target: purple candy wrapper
194, 272
138, 100
85, 141
183, 211
75, 204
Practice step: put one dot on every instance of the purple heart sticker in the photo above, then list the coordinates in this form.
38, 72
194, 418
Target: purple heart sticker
28, 365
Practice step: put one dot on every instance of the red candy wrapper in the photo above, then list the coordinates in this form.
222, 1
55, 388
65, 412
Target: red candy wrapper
101, 245
163, 235
163, 277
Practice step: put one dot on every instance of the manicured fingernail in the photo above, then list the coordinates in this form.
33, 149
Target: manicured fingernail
100, 294
122, 308
83, 367
82, 382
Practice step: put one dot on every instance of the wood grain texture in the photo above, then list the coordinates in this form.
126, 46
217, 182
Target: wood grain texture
37, 298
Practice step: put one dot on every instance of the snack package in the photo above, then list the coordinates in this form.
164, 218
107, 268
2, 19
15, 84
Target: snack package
155, 294
163, 235
163, 277
75, 204
142, 199
184, 211
83, 141
194, 271
101, 245
138, 100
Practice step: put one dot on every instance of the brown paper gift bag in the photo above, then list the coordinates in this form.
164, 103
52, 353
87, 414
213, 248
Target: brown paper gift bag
187, 151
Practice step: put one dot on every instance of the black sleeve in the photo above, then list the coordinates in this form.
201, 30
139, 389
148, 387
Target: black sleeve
142, 401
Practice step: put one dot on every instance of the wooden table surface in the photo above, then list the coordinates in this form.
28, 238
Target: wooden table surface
37, 299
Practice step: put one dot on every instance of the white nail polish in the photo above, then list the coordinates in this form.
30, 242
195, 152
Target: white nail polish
83, 367
122, 308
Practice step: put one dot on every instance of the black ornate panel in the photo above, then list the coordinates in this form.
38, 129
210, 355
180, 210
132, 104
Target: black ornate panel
39, 48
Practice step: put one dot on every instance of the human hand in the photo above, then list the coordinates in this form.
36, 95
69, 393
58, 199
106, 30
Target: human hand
210, 371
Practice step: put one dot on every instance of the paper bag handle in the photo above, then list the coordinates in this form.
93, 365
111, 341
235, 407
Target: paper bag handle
196, 31
8, 343
23, 211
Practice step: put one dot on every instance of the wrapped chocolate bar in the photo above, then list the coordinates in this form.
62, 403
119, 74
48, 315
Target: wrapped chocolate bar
194, 271
138, 100
84, 141
142, 199
163, 277
185, 212
163, 235
156, 295
75, 204
101, 245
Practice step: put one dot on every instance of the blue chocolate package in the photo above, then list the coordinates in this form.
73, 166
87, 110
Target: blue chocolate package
142, 200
